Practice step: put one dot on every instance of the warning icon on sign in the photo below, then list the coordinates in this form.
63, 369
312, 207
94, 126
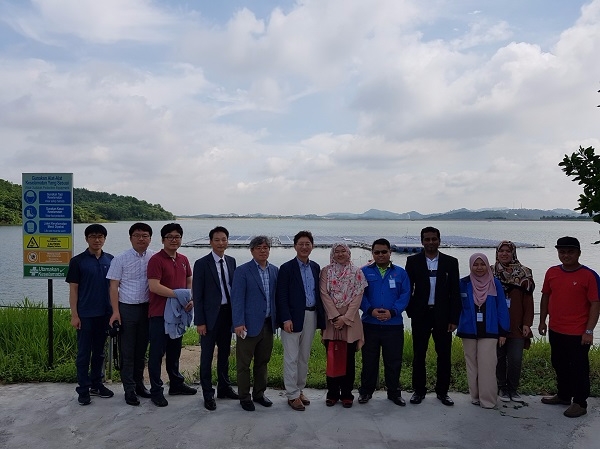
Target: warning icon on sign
33, 243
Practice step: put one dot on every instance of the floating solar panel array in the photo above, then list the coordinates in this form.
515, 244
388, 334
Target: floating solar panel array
406, 243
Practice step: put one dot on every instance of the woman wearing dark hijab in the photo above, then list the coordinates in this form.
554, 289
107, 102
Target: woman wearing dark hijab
518, 285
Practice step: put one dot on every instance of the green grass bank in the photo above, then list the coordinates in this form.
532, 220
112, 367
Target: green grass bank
24, 356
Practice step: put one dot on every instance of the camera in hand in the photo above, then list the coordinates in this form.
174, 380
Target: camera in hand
114, 330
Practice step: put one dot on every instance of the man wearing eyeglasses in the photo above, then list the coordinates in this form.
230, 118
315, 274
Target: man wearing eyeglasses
129, 295
168, 271
254, 321
434, 309
384, 300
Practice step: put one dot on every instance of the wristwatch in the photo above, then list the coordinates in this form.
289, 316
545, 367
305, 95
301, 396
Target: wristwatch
589, 332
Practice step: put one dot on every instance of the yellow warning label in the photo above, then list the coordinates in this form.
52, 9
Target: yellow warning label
46, 242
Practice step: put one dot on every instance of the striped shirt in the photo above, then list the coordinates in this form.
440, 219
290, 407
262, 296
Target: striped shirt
130, 269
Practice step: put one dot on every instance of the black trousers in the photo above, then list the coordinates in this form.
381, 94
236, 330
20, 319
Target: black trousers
389, 340
219, 336
134, 343
570, 360
91, 338
161, 344
422, 329
341, 387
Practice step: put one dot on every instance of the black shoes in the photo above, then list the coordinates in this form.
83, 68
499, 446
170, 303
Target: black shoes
398, 400
247, 405
84, 398
227, 394
159, 401
210, 404
131, 398
101, 391
446, 400
364, 398
264, 401
183, 389
142, 392
417, 398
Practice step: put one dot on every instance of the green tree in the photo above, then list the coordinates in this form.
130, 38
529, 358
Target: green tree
584, 166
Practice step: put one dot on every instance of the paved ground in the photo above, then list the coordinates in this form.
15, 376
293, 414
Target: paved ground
47, 416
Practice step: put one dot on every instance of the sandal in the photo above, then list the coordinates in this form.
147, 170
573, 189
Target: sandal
330, 402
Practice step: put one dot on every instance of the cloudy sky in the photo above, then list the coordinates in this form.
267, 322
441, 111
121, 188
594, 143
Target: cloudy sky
306, 106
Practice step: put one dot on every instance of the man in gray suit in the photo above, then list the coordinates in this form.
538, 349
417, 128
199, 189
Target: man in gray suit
211, 287
254, 321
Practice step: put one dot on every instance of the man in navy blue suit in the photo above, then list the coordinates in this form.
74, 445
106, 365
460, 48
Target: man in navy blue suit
254, 315
211, 287
299, 313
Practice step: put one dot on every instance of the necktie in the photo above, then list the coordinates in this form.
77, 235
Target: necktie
224, 281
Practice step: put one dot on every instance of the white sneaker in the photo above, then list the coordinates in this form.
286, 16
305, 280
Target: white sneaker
504, 396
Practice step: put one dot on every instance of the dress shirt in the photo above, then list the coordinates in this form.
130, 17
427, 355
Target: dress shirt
264, 276
130, 268
432, 266
217, 258
308, 281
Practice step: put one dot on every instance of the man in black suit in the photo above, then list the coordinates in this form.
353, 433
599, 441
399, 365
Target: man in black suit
299, 313
434, 309
211, 288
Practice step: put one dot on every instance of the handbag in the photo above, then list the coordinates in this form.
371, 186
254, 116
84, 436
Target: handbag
337, 353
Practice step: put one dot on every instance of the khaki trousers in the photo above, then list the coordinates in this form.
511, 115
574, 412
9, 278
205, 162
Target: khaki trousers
481, 359
296, 352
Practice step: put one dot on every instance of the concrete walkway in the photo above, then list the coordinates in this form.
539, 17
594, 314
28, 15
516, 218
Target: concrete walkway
47, 415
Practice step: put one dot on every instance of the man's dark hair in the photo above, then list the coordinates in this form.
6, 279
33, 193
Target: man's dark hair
306, 234
95, 229
218, 229
170, 228
385, 242
260, 240
140, 227
430, 229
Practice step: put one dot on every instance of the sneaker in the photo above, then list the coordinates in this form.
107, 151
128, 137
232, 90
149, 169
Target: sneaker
555, 400
504, 395
516, 397
575, 411
101, 391
84, 398
183, 389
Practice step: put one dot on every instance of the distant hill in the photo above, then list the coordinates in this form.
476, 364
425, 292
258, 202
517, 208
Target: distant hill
457, 214
88, 206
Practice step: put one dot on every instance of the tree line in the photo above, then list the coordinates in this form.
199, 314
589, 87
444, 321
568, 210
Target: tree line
88, 206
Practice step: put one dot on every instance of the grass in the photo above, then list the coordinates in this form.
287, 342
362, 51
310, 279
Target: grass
24, 356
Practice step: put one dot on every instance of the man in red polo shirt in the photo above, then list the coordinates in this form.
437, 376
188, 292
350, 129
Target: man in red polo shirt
570, 297
167, 271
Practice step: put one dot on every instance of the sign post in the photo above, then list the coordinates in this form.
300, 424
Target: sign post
47, 233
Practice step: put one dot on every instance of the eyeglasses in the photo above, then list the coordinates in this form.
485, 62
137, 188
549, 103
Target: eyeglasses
172, 238
141, 236
95, 237
380, 251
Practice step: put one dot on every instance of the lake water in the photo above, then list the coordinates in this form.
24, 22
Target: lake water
14, 288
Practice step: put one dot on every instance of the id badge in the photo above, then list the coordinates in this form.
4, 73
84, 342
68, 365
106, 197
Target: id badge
392, 283
479, 317
508, 302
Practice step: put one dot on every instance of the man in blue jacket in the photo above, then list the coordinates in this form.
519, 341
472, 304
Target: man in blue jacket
254, 321
299, 313
384, 300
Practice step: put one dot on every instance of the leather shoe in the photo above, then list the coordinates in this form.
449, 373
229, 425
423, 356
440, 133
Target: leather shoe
210, 404
446, 400
247, 405
364, 398
183, 389
142, 392
296, 404
131, 398
159, 401
417, 398
227, 394
304, 399
264, 401
398, 400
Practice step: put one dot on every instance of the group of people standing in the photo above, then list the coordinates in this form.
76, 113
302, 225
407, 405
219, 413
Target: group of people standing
151, 294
